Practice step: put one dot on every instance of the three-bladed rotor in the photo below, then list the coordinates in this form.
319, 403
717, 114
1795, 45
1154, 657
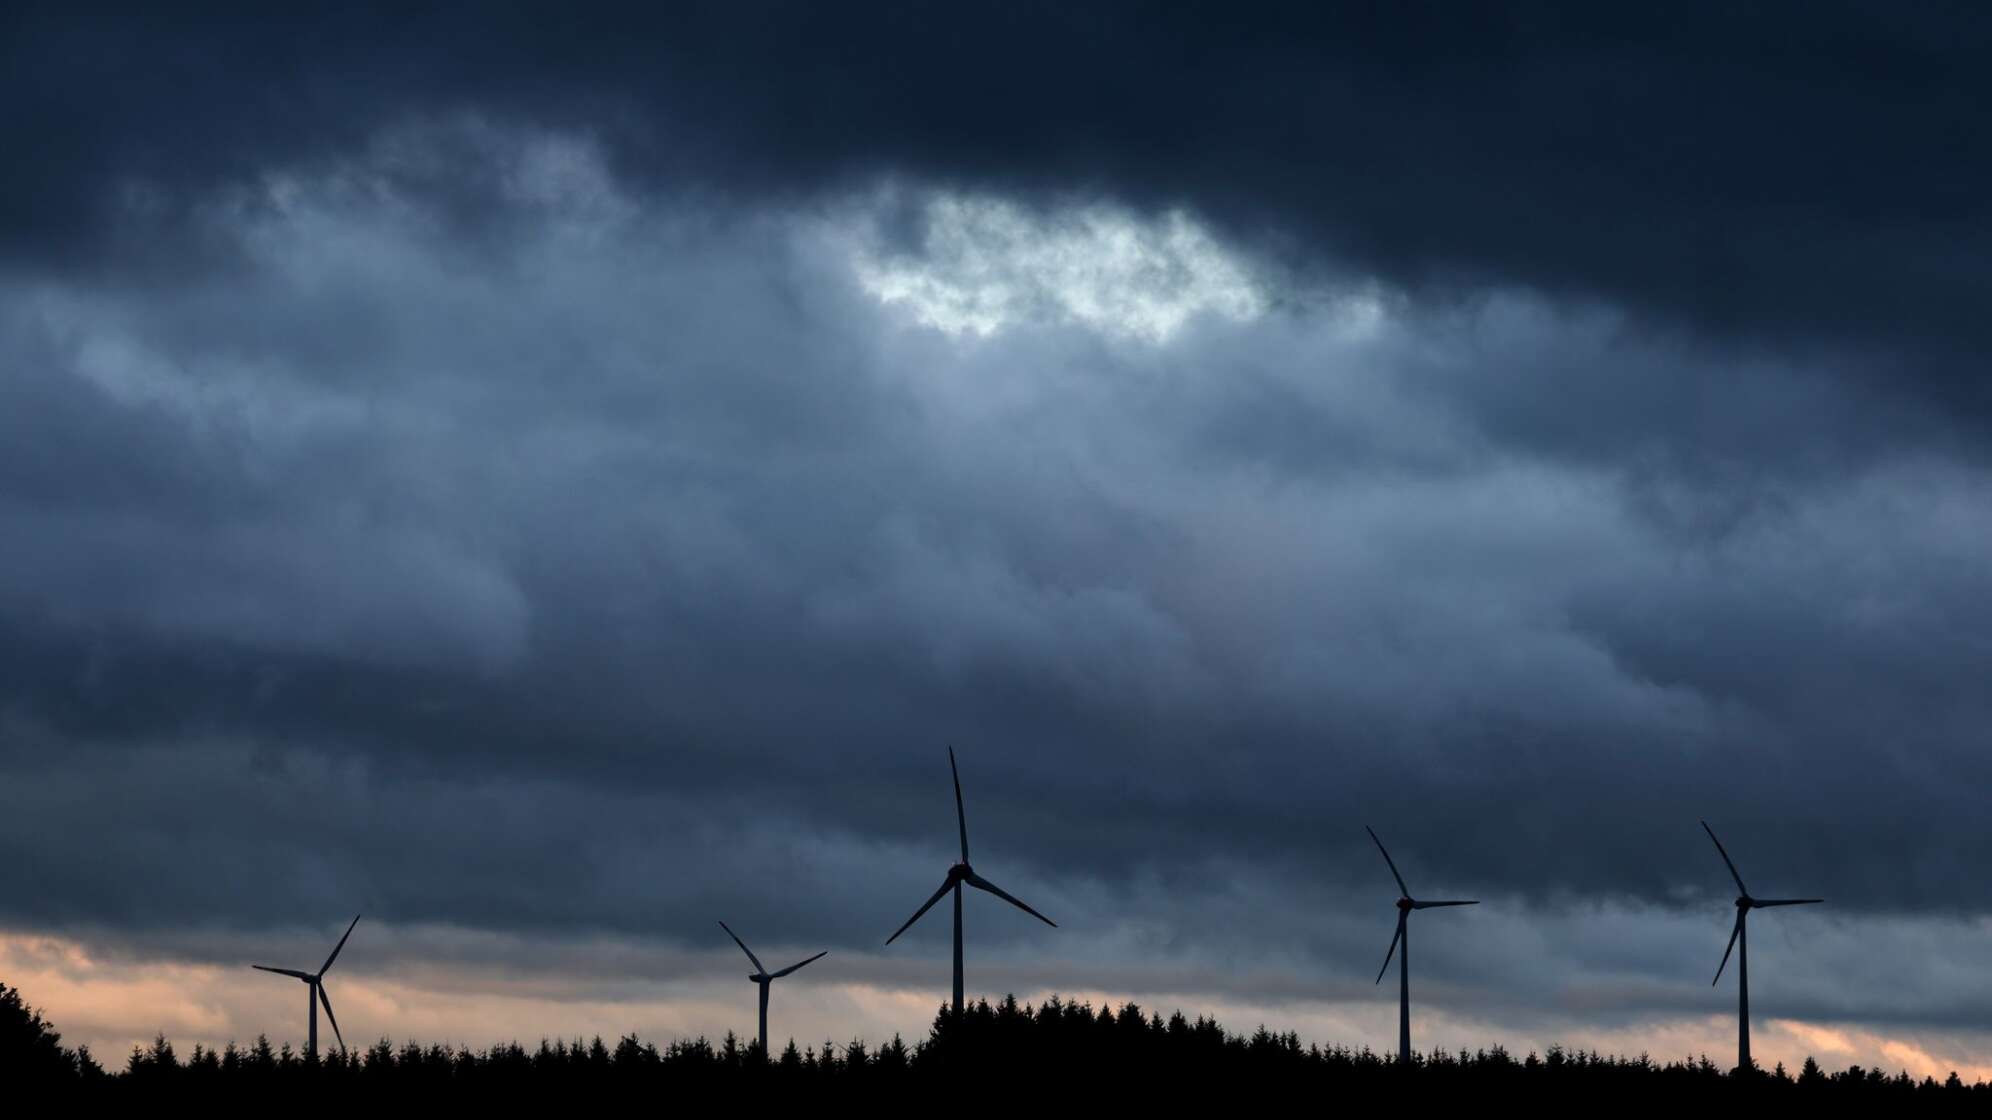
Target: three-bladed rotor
761, 975
1405, 904
961, 873
1744, 903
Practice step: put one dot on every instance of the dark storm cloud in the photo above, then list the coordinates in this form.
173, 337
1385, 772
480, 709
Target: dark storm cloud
1778, 173
448, 467
613, 498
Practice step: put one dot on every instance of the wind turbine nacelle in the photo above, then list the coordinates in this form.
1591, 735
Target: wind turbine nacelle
1744, 902
1404, 904
758, 977
960, 871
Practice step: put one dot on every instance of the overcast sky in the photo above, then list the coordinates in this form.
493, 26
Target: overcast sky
551, 480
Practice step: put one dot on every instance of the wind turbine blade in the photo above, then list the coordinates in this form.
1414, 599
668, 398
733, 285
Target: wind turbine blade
926, 906
1390, 952
1786, 901
743, 947
326, 1001
1459, 902
961, 815
978, 881
1402, 889
1725, 953
798, 964
1740, 888
341, 945
283, 971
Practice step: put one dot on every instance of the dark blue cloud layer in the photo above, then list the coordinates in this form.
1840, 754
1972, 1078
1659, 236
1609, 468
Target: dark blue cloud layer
594, 553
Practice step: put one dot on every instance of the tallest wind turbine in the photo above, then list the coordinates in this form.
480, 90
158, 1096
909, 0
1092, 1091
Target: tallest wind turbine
959, 874
1405, 904
1739, 941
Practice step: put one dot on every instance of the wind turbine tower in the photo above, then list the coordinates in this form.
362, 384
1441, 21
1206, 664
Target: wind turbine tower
764, 978
959, 875
1400, 944
314, 985
1739, 941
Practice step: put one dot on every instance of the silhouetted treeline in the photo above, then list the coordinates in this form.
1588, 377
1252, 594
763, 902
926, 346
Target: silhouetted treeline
31, 1050
1013, 1047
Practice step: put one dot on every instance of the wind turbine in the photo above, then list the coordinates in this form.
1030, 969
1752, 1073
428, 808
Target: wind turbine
1739, 940
763, 977
314, 983
959, 874
1405, 904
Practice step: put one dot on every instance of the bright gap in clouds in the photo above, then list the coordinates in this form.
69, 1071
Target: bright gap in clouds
984, 264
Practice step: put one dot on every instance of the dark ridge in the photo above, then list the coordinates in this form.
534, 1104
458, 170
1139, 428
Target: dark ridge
1006, 1048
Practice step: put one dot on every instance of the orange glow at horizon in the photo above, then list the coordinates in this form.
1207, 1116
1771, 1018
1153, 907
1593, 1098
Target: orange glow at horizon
112, 1006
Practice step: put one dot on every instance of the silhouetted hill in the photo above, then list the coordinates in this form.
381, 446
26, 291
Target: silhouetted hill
1008, 1050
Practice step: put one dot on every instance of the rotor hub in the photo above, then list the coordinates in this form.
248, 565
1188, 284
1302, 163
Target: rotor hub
1404, 904
960, 871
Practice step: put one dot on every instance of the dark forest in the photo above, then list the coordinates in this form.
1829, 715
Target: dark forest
1055, 1043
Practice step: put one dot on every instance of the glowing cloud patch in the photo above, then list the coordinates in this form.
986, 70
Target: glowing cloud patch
986, 264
